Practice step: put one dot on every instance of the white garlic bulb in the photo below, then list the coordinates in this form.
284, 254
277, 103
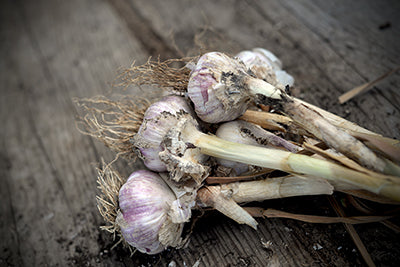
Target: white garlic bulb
275, 62
231, 131
145, 202
158, 142
215, 97
266, 66
157, 121
243, 132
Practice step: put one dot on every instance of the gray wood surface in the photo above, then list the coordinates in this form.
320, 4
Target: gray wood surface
52, 51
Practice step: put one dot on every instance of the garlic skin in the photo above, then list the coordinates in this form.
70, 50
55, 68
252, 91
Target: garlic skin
144, 201
275, 62
243, 132
284, 78
265, 65
162, 152
230, 131
158, 118
215, 97
184, 160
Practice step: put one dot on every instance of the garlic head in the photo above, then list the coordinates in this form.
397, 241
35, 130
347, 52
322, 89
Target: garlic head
265, 65
231, 131
243, 132
216, 89
163, 147
145, 201
158, 119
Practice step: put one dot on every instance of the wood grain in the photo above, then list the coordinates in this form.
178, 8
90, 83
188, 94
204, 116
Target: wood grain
51, 183
52, 51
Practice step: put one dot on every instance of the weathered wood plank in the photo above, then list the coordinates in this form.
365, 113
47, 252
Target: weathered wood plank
54, 50
10, 247
362, 52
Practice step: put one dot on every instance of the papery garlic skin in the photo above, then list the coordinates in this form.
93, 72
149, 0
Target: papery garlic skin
265, 65
230, 131
144, 201
162, 153
184, 161
243, 132
158, 118
275, 62
284, 78
214, 99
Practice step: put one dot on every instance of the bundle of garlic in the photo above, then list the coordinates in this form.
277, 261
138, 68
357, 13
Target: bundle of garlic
153, 206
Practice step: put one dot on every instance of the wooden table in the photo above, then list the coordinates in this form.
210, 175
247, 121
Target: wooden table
53, 51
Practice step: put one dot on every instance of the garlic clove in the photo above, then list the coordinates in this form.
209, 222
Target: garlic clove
144, 201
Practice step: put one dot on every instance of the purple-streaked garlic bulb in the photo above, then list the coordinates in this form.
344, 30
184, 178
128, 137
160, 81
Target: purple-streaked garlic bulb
247, 133
158, 119
159, 154
145, 202
222, 87
209, 85
265, 65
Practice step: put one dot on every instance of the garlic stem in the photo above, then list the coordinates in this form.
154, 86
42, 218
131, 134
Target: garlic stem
337, 120
224, 198
313, 122
264, 59
293, 163
273, 188
213, 197
260, 87
267, 120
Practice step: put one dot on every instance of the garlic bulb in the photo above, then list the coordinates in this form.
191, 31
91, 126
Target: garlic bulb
157, 120
160, 153
273, 60
265, 65
247, 133
221, 88
230, 131
209, 87
284, 78
145, 201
